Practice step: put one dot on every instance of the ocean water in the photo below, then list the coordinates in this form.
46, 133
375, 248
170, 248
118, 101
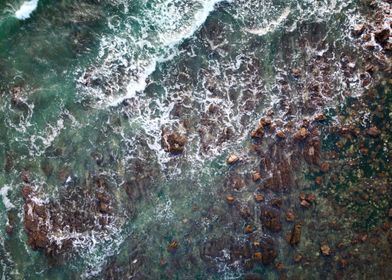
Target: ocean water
88, 87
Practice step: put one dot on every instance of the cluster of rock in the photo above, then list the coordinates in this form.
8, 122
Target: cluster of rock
56, 226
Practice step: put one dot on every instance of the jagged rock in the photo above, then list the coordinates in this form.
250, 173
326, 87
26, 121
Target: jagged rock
230, 199
296, 72
280, 134
256, 176
325, 250
373, 131
265, 122
295, 235
173, 142
382, 36
358, 29
173, 246
324, 167
258, 133
248, 229
259, 197
270, 218
290, 216
26, 192
232, 159
301, 134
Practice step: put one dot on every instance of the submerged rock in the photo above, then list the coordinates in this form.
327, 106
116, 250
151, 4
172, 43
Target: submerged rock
270, 218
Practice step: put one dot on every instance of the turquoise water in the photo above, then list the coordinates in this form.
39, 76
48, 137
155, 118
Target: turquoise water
87, 87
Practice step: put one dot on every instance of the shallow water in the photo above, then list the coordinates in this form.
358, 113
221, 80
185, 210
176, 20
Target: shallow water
87, 89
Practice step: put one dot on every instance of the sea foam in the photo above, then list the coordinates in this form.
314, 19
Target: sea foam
26, 9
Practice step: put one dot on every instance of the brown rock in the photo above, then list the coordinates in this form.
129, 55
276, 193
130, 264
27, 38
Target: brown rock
232, 159
172, 247
310, 197
324, 167
258, 133
265, 122
230, 199
358, 29
252, 276
301, 134
373, 131
276, 202
270, 218
318, 180
259, 197
320, 117
104, 208
256, 176
297, 258
295, 236
40, 210
26, 192
173, 142
280, 134
382, 36
325, 250
290, 216
248, 229
296, 72
258, 256
390, 213
305, 204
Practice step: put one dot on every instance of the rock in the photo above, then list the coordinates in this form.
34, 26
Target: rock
324, 167
390, 237
276, 202
297, 258
280, 134
252, 276
373, 131
390, 213
248, 229
318, 180
296, 72
265, 122
230, 199
268, 252
173, 142
172, 247
295, 236
258, 256
320, 117
270, 218
325, 250
26, 192
258, 133
259, 197
256, 176
358, 29
232, 159
301, 134
305, 204
104, 208
310, 197
40, 210
290, 216
382, 36
9, 229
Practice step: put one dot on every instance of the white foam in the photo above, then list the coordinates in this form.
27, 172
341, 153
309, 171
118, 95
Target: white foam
271, 25
4, 193
26, 9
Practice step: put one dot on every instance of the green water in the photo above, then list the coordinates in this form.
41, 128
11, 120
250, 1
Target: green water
96, 83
